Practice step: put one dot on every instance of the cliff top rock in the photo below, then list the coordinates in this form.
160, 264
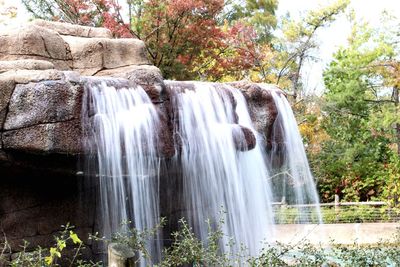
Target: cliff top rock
65, 46
42, 86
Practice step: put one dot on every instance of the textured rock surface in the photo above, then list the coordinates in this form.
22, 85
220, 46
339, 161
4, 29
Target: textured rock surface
27, 76
59, 137
25, 64
67, 47
74, 30
6, 90
261, 106
40, 111
91, 55
43, 102
34, 42
149, 77
34, 205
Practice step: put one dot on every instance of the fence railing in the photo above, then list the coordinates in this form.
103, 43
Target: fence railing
336, 212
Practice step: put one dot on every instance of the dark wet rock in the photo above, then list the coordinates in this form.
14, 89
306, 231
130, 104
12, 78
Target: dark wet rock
166, 146
243, 138
35, 204
261, 106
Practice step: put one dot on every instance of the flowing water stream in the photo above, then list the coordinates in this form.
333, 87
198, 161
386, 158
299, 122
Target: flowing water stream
293, 182
124, 121
216, 176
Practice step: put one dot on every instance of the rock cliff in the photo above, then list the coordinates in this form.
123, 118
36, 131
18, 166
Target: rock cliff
44, 70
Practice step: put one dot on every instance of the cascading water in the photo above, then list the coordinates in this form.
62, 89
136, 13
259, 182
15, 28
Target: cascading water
216, 176
220, 178
123, 125
293, 182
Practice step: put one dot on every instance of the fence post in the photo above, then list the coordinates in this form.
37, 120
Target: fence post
337, 203
120, 255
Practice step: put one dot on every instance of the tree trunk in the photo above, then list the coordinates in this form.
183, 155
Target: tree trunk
297, 78
397, 125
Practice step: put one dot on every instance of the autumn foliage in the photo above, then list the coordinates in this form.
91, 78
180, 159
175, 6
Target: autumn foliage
186, 39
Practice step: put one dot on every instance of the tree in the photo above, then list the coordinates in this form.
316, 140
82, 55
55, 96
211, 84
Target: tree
258, 13
186, 39
298, 43
361, 109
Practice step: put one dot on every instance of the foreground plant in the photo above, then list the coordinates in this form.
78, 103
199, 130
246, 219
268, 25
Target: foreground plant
51, 257
187, 250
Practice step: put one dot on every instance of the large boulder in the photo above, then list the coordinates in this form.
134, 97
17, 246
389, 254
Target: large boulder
74, 30
43, 102
40, 112
65, 46
34, 42
90, 55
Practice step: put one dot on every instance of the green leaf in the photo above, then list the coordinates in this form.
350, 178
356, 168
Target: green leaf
48, 260
74, 237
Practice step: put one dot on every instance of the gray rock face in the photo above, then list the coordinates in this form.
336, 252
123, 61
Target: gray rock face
43, 102
40, 95
60, 137
40, 112
67, 47
6, 89
27, 76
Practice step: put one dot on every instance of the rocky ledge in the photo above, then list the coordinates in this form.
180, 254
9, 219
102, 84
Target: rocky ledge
45, 68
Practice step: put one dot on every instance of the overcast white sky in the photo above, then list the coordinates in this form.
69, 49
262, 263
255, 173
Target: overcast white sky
330, 38
336, 35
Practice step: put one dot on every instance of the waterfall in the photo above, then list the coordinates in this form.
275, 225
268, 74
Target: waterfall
293, 182
123, 125
223, 174
216, 175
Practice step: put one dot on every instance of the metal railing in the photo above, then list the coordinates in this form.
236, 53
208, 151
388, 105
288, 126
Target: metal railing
336, 212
